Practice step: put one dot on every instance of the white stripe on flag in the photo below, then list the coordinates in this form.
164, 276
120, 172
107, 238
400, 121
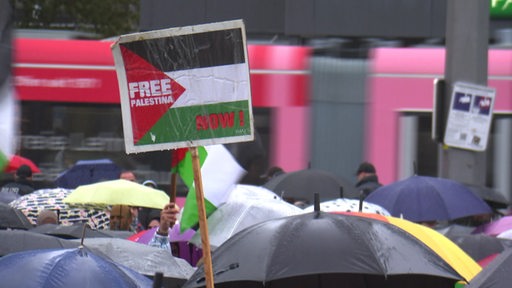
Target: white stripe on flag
224, 84
7, 119
220, 171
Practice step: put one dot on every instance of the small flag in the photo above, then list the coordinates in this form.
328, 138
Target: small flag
7, 100
219, 170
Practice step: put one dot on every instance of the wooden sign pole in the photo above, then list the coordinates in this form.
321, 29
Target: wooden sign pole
203, 225
172, 192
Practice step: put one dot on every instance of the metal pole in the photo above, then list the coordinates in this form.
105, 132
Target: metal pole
467, 44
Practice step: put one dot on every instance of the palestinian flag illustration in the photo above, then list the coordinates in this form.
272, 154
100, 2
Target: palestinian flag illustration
183, 87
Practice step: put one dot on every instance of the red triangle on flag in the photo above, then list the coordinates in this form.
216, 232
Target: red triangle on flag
151, 93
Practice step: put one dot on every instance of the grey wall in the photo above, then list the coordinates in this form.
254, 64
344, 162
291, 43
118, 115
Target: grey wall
305, 18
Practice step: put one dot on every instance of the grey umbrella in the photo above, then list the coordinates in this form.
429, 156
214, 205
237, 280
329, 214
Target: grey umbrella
19, 240
13, 218
497, 274
142, 258
75, 231
480, 246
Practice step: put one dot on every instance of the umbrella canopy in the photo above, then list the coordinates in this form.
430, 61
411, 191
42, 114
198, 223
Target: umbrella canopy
12, 218
88, 172
303, 184
142, 258
480, 246
74, 267
455, 230
20, 240
117, 192
424, 199
505, 235
70, 231
236, 215
251, 192
494, 198
16, 161
329, 250
349, 205
497, 274
496, 227
53, 199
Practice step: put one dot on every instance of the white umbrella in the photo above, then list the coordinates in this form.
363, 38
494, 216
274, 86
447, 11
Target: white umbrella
246, 206
505, 235
349, 205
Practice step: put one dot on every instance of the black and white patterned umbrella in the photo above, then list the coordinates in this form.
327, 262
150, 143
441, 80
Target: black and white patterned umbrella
51, 199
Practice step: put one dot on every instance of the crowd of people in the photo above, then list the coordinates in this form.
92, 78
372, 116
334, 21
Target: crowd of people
137, 219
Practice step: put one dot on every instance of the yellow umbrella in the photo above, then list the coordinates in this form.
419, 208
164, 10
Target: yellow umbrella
459, 260
117, 192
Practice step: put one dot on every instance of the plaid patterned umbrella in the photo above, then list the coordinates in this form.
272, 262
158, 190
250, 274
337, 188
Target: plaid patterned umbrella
51, 199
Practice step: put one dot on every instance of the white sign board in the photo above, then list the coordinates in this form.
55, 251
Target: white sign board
184, 87
470, 116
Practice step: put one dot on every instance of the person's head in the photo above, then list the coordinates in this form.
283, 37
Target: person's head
47, 217
365, 169
154, 222
128, 175
134, 211
273, 172
150, 183
24, 172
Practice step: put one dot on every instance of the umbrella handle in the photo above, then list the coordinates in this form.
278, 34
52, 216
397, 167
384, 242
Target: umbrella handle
361, 198
158, 280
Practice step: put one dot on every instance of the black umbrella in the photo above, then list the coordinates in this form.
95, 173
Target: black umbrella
20, 240
497, 274
13, 218
480, 246
320, 249
303, 184
494, 198
75, 231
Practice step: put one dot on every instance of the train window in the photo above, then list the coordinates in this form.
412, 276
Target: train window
56, 135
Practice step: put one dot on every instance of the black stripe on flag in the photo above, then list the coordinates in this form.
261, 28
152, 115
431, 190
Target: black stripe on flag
199, 50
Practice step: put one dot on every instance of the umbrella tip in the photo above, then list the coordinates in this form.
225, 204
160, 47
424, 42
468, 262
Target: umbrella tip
83, 234
317, 202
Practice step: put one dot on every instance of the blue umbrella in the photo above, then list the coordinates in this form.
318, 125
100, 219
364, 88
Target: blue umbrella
75, 267
424, 199
88, 172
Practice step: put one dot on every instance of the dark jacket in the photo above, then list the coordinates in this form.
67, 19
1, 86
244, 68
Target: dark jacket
20, 187
367, 185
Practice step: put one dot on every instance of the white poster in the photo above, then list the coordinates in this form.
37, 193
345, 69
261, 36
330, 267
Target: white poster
470, 116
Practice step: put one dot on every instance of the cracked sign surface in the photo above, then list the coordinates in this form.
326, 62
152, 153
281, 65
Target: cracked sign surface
184, 87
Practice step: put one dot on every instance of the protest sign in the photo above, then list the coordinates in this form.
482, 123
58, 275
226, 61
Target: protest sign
184, 87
